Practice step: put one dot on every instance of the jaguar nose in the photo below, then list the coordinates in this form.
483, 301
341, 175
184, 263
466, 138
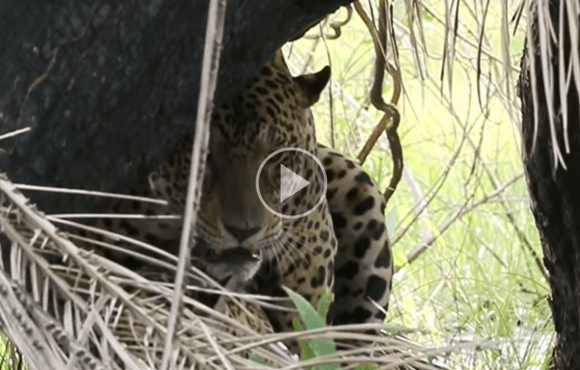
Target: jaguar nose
241, 234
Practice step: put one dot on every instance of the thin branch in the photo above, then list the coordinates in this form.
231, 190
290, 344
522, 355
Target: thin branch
335, 25
390, 111
90, 193
209, 73
527, 245
15, 133
416, 252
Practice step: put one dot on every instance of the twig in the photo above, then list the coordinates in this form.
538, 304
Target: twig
90, 193
227, 364
336, 26
527, 245
415, 252
15, 133
390, 111
209, 73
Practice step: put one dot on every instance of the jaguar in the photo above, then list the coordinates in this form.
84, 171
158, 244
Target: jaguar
341, 246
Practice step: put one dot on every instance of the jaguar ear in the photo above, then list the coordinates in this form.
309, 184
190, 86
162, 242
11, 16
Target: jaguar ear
312, 84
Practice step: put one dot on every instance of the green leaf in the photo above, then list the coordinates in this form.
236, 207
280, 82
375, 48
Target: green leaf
399, 257
323, 304
309, 315
259, 360
367, 367
313, 320
306, 348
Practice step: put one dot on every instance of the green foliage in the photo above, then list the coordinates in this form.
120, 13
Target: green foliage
313, 319
316, 319
10, 358
463, 199
259, 360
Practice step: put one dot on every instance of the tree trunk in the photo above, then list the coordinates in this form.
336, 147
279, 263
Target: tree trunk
555, 190
108, 86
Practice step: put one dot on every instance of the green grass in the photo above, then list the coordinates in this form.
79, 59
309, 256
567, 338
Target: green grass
9, 358
478, 281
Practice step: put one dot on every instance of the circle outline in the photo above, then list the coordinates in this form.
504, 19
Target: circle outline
322, 197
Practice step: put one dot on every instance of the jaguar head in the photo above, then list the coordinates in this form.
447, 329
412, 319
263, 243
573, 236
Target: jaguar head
271, 113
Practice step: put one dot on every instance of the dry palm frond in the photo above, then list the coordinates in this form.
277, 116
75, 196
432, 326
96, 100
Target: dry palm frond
69, 308
64, 305
553, 38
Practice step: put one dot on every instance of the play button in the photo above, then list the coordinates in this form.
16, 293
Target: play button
291, 183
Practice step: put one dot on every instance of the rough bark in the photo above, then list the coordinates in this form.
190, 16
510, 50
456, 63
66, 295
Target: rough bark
108, 86
555, 190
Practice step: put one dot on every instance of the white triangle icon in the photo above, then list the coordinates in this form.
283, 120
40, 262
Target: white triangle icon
290, 183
